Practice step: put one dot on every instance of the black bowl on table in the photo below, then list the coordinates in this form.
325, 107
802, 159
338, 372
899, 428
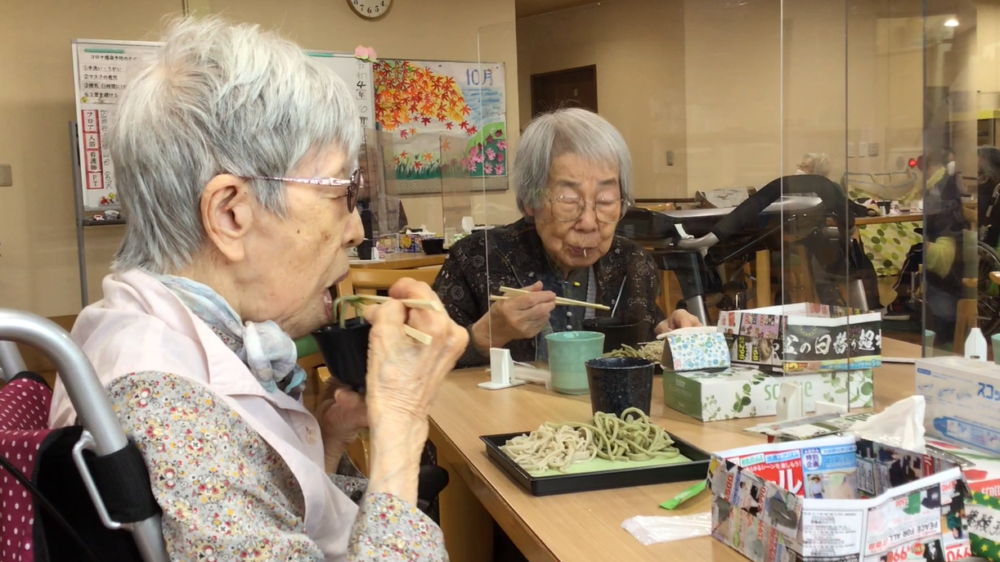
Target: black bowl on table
432, 246
345, 351
616, 332
619, 383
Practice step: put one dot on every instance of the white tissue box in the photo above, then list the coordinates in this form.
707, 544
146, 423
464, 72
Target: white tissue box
744, 392
963, 401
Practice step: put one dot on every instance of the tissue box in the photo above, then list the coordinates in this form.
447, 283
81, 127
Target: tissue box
694, 351
742, 392
963, 401
803, 338
799, 501
387, 244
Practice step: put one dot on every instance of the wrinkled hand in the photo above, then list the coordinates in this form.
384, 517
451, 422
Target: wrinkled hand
517, 318
404, 374
342, 415
679, 319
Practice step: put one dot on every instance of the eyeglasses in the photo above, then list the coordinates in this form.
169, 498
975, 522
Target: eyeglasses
569, 208
353, 185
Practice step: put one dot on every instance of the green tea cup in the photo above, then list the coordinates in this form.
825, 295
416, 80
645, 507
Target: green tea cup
568, 356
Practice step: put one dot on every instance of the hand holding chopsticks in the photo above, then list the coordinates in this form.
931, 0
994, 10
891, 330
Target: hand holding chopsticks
409, 303
559, 300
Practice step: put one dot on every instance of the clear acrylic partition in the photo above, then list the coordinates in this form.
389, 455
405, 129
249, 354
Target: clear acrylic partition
954, 292
379, 203
832, 118
458, 187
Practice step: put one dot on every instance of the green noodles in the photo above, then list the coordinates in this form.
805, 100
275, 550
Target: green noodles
632, 437
652, 351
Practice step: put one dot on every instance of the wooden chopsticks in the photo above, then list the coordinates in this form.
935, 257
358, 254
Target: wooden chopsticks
414, 333
408, 303
559, 300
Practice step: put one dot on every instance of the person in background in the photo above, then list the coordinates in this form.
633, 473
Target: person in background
832, 269
940, 252
988, 195
815, 163
236, 157
573, 182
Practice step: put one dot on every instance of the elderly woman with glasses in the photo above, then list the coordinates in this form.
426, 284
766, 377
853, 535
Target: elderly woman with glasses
573, 181
235, 155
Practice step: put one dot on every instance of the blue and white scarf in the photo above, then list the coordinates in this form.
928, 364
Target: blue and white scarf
266, 350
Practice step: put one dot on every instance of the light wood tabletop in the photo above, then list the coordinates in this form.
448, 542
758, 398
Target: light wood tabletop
582, 526
400, 260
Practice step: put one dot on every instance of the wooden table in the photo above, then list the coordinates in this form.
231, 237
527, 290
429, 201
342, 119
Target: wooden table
584, 526
400, 260
907, 217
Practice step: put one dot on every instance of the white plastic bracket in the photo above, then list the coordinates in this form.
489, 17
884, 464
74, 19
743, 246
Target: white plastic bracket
790, 402
501, 369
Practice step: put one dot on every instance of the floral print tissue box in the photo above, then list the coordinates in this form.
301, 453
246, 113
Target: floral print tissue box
695, 351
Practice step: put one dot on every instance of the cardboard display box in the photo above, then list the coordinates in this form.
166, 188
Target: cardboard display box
837, 499
803, 338
744, 392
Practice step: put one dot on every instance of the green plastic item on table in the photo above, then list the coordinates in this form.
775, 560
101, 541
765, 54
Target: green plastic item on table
306, 346
684, 496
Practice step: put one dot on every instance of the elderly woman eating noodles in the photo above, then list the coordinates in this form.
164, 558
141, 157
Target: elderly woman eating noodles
573, 181
235, 154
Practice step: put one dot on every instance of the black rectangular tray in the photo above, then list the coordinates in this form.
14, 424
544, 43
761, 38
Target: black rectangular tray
697, 469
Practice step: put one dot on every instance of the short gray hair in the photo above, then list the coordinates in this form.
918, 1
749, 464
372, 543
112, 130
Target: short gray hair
821, 163
566, 131
218, 98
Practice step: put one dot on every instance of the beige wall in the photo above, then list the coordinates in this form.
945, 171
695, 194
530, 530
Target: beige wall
741, 90
988, 42
638, 47
732, 69
38, 260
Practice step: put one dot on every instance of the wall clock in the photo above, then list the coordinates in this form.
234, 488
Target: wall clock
370, 9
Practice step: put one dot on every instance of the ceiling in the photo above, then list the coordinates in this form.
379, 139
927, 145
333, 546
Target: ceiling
528, 8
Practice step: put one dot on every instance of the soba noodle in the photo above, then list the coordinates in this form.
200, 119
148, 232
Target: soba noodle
652, 351
551, 446
558, 446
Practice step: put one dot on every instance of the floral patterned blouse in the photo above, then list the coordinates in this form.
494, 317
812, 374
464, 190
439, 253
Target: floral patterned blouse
626, 276
227, 495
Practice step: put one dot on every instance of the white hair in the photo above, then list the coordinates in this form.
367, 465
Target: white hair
821, 163
567, 131
218, 98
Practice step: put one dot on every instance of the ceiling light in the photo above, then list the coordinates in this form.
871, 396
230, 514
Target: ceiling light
951, 22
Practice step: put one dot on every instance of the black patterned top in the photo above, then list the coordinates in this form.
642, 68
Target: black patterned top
518, 259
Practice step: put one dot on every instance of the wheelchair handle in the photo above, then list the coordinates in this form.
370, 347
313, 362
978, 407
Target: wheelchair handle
78, 375
94, 409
